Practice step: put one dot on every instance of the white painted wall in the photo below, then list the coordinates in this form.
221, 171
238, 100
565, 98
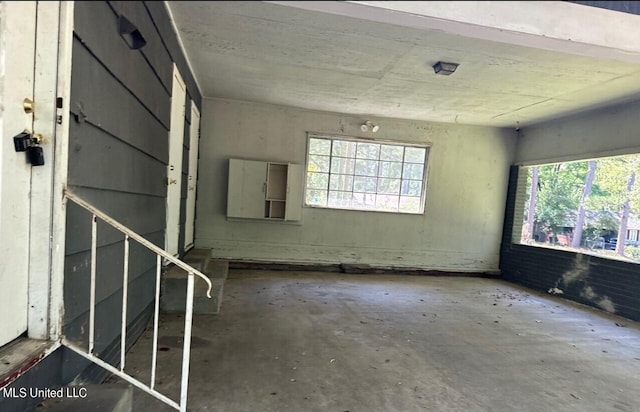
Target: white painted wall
460, 230
598, 133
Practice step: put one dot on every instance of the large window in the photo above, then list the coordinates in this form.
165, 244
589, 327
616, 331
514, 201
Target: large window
344, 173
590, 206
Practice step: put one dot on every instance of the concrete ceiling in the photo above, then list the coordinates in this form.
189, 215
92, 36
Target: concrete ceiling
285, 55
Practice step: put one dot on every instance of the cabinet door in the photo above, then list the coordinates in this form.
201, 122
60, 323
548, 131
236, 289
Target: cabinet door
247, 181
293, 207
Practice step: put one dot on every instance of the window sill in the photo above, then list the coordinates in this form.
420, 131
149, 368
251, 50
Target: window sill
265, 220
580, 251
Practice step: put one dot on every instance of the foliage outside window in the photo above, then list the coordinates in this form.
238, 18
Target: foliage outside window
344, 173
590, 206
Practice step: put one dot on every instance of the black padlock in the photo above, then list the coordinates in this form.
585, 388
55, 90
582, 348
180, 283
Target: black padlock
22, 141
35, 155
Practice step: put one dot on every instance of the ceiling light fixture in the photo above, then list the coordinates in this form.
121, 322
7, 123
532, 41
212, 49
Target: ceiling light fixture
368, 125
445, 68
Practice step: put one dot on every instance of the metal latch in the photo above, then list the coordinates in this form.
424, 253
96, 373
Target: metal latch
30, 143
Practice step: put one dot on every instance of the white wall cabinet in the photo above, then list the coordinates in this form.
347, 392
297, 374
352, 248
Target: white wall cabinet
264, 190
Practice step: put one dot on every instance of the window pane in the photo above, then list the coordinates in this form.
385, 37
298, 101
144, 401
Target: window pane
317, 180
412, 187
344, 148
389, 186
316, 197
390, 169
319, 146
414, 154
368, 151
342, 165
318, 163
364, 184
412, 171
410, 204
341, 182
366, 167
340, 199
363, 201
393, 153
388, 203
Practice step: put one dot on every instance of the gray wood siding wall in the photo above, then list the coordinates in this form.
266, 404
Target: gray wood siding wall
118, 153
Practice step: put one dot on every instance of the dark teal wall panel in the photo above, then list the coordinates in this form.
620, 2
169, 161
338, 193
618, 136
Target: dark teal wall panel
149, 217
154, 51
99, 98
96, 25
118, 154
109, 273
128, 169
161, 19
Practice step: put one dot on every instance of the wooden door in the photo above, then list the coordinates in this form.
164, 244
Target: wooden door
17, 51
174, 168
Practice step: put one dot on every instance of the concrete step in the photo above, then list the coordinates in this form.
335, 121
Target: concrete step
174, 284
112, 397
218, 268
198, 258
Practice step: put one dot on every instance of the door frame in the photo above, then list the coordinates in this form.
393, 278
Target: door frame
60, 161
192, 178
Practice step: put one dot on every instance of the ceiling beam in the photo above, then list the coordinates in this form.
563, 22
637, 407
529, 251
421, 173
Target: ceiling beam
550, 25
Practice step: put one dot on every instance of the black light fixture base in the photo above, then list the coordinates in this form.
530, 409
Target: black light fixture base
445, 68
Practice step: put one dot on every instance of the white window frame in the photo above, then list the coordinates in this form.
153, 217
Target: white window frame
405, 144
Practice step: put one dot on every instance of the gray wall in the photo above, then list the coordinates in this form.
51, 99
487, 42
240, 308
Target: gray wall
598, 133
608, 284
460, 230
118, 153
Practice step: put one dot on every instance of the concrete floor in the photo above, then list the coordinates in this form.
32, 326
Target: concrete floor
288, 341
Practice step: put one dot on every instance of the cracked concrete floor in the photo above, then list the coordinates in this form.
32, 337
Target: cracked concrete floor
306, 341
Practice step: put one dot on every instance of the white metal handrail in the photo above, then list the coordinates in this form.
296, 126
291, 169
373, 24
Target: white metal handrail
188, 318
